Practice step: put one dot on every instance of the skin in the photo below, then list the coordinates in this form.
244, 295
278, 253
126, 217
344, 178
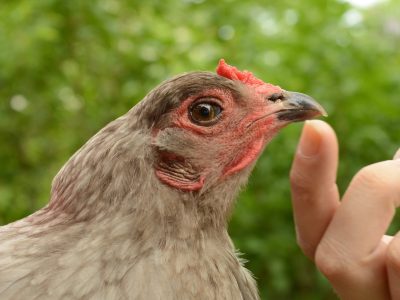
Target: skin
345, 236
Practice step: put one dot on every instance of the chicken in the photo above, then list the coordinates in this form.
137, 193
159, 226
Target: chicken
141, 210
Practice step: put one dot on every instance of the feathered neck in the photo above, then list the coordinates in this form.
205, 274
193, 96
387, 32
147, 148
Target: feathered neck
112, 176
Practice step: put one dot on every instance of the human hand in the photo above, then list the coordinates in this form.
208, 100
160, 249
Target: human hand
346, 238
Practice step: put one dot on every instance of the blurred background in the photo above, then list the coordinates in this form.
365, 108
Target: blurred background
69, 67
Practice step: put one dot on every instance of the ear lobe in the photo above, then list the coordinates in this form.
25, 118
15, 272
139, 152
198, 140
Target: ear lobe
176, 172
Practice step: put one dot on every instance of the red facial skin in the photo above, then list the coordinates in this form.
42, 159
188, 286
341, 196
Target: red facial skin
236, 139
229, 145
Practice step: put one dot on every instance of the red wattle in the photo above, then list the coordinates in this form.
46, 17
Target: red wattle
180, 184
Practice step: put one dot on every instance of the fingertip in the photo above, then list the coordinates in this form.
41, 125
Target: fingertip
323, 128
310, 140
316, 158
315, 133
397, 155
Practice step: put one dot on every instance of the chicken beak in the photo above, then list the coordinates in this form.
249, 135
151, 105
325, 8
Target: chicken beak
297, 107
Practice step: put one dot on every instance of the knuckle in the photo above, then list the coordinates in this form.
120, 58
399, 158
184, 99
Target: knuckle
393, 254
299, 180
330, 261
376, 177
368, 176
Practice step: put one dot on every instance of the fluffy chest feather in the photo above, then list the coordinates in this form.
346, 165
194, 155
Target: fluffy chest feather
109, 260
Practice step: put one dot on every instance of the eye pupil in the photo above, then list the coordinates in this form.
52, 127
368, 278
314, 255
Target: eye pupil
205, 113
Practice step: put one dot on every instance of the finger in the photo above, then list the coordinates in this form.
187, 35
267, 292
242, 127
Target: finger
314, 192
393, 259
393, 266
386, 239
367, 209
353, 250
397, 155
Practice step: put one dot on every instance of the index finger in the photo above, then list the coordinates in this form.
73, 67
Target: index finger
366, 211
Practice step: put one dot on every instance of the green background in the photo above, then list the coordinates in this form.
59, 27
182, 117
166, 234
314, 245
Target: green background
69, 67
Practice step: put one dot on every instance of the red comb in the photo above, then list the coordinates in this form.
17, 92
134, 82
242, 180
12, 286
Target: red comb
231, 72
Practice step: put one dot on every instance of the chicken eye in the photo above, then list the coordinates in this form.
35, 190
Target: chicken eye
205, 113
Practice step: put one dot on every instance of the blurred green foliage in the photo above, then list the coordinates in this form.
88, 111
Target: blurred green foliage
69, 67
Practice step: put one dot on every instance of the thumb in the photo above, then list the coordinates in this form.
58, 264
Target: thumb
313, 175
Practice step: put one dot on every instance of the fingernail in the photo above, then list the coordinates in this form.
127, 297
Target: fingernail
397, 155
310, 140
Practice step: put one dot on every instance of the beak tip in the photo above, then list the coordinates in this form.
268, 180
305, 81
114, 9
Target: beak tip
323, 112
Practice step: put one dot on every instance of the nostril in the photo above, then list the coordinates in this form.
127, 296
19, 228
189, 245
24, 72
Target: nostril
276, 97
